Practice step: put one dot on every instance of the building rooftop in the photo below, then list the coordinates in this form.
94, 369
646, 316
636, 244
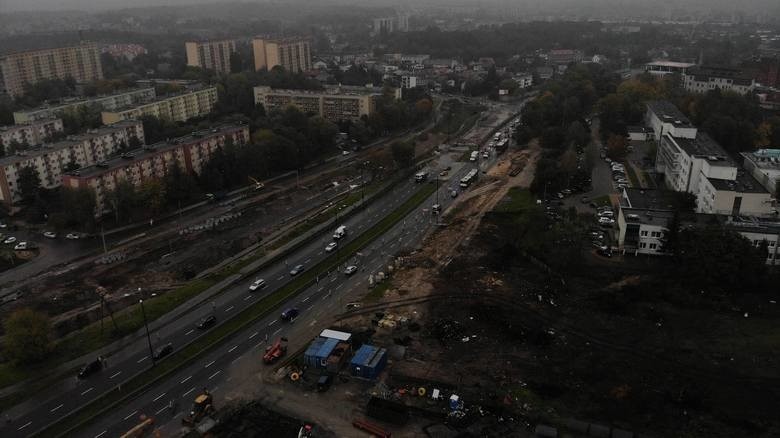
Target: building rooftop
28, 125
65, 103
333, 90
743, 184
69, 141
644, 216
149, 150
703, 146
187, 90
703, 73
672, 64
647, 199
668, 113
750, 224
764, 158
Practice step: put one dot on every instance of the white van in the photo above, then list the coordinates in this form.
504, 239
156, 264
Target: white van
340, 232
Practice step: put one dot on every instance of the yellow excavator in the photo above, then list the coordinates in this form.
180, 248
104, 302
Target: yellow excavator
202, 407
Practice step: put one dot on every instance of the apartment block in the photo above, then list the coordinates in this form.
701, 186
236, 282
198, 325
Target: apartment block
154, 161
30, 134
664, 118
178, 108
333, 103
81, 62
108, 103
703, 79
764, 166
50, 160
294, 54
211, 55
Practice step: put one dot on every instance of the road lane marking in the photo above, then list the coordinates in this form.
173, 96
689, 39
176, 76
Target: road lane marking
259, 344
319, 253
186, 393
131, 414
101, 434
248, 297
27, 424
233, 348
215, 374
185, 380
210, 363
253, 335
143, 359
277, 331
159, 397
85, 392
272, 322
306, 262
55, 409
229, 309
189, 332
309, 308
161, 409
236, 359
281, 277
307, 298
118, 373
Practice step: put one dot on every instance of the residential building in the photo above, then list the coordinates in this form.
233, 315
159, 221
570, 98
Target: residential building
81, 62
384, 25
564, 56
109, 103
333, 103
664, 118
703, 79
742, 196
684, 161
663, 68
154, 161
408, 81
764, 166
211, 55
192, 103
523, 80
294, 54
127, 51
50, 160
30, 134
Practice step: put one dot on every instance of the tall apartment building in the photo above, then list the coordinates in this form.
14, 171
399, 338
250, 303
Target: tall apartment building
30, 134
703, 79
333, 103
212, 55
50, 160
693, 162
108, 102
178, 108
81, 62
153, 161
294, 54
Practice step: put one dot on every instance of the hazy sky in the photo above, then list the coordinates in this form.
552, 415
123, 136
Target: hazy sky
727, 5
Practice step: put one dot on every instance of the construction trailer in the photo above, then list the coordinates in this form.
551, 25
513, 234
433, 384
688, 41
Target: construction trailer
329, 351
368, 362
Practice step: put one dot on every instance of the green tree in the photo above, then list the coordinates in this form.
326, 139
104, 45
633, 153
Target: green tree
29, 183
80, 207
124, 201
28, 336
403, 153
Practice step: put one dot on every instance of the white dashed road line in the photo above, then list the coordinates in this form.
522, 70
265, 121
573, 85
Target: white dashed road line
85, 392
232, 348
118, 373
25, 425
210, 363
229, 309
159, 397
273, 322
186, 393
185, 380
131, 414
253, 335
55, 409
143, 359
189, 332
214, 375
101, 434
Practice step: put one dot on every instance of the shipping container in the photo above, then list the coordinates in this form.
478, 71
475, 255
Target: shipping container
310, 356
368, 362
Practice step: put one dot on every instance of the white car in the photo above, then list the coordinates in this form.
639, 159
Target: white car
257, 284
606, 221
72, 236
50, 234
607, 213
21, 246
9, 240
3, 225
331, 246
351, 269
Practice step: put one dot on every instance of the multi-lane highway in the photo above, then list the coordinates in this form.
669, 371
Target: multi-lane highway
74, 394
326, 297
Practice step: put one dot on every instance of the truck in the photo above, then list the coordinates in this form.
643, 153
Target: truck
474, 156
201, 407
276, 351
340, 232
420, 176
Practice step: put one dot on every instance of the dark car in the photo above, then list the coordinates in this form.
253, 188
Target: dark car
289, 314
91, 368
207, 322
324, 383
296, 270
604, 251
163, 351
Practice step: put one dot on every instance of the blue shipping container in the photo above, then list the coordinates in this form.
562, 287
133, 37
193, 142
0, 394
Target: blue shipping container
310, 356
368, 362
325, 351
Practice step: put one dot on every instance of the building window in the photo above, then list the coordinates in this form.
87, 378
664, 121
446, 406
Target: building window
642, 245
653, 246
643, 233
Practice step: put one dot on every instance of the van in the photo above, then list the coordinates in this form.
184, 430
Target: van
340, 232
420, 176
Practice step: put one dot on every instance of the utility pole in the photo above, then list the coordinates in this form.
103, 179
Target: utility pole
148, 337
103, 236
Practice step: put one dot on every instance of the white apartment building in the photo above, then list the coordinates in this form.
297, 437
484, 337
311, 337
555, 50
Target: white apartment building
704, 79
332, 103
178, 108
664, 118
29, 134
189, 153
764, 166
108, 103
50, 160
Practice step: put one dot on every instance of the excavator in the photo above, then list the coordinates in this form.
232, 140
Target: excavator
202, 407
275, 351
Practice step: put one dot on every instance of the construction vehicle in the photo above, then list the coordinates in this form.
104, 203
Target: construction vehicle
275, 351
202, 407
140, 429
258, 184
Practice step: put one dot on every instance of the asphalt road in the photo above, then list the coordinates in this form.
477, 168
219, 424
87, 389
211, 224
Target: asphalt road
326, 297
73, 394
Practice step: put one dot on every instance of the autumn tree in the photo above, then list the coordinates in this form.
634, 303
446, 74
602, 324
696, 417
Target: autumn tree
616, 147
28, 336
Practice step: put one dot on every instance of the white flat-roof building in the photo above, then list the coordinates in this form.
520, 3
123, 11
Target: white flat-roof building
704, 79
662, 68
764, 166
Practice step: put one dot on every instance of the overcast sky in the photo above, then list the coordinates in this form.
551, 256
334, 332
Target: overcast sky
727, 5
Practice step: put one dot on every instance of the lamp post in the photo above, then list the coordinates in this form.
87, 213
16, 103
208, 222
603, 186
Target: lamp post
146, 324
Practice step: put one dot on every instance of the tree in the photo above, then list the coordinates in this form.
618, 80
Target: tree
80, 208
616, 147
29, 183
403, 153
27, 336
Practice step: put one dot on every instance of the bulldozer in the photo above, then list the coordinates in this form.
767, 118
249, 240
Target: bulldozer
202, 407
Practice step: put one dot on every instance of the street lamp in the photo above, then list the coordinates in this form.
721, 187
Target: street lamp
146, 324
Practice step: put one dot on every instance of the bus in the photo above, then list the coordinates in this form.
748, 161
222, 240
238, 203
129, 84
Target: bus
466, 180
